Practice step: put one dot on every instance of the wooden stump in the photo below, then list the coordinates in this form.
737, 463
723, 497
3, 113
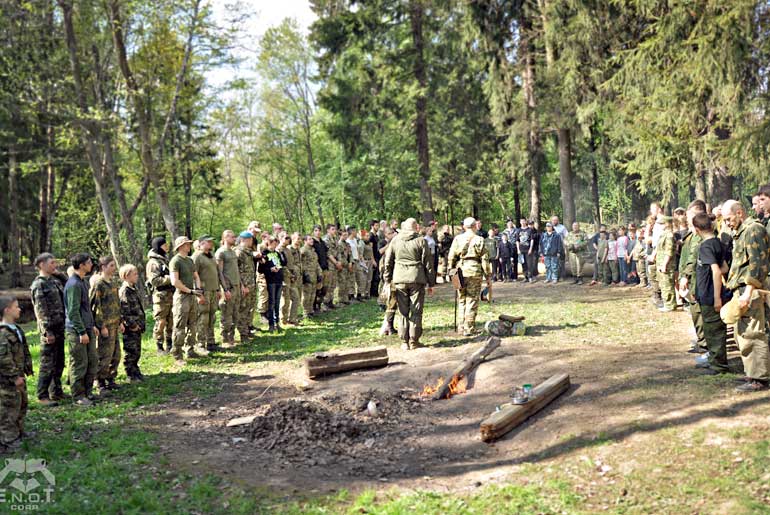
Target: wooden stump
467, 366
512, 415
334, 362
511, 318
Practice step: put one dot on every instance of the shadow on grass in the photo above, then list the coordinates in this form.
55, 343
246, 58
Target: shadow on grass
540, 330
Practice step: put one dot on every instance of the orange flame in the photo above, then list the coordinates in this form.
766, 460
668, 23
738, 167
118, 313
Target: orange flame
457, 385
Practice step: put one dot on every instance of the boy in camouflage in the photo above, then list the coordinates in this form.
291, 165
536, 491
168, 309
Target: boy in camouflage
132, 316
15, 364
105, 305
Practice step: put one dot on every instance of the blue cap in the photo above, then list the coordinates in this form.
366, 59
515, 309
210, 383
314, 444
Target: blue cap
246, 234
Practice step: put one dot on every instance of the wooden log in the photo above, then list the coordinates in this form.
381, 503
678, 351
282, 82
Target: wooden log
468, 365
512, 415
240, 421
511, 318
342, 361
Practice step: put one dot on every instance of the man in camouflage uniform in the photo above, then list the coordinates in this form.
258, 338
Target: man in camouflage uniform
262, 295
688, 260
230, 302
105, 305
748, 272
48, 301
469, 253
490, 242
665, 259
159, 283
334, 267
247, 272
209, 273
576, 244
185, 279
132, 316
409, 268
15, 364
311, 275
387, 297
292, 279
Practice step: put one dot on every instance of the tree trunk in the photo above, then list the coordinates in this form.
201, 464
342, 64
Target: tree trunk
47, 185
700, 184
516, 197
720, 185
566, 177
534, 146
13, 215
417, 12
595, 208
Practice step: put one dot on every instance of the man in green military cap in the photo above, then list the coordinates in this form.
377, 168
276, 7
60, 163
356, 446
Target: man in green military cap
409, 268
469, 254
185, 279
576, 244
748, 273
210, 276
247, 271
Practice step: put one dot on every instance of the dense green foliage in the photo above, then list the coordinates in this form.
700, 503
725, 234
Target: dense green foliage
110, 133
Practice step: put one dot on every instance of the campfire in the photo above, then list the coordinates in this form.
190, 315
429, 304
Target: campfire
457, 385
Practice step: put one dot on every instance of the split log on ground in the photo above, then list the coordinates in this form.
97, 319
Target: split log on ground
467, 366
512, 415
511, 318
240, 421
342, 361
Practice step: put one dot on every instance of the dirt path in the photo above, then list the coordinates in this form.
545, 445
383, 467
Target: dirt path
631, 380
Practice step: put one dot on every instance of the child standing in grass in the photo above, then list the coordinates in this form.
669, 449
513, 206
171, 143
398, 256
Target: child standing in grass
602, 249
612, 256
15, 364
622, 252
639, 255
132, 315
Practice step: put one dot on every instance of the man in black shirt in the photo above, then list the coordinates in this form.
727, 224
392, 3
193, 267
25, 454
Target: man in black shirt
374, 227
710, 295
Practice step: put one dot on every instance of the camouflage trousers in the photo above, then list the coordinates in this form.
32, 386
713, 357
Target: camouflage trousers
207, 317
290, 302
665, 281
308, 297
751, 338
641, 271
263, 295
654, 277
109, 352
368, 282
230, 310
132, 352
330, 283
185, 316
83, 364
13, 409
468, 303
410, 299
343, 288
163, 330
361, 286
696, 313
576, 265
246, 311
51, 366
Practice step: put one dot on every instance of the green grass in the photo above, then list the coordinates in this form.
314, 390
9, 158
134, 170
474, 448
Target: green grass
105, 461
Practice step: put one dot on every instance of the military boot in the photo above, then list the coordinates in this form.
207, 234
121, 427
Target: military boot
169, 344
161, 350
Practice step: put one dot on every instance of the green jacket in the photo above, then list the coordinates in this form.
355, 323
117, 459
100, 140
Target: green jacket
48, 300
309, 267
409, 260
750, 251
105, 303
470, 254
689, 256
666, 248
131, 309
576, 243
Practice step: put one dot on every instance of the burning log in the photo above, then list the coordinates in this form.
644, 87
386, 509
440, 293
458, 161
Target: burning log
512, 415
445, 389
511, 318
333, 362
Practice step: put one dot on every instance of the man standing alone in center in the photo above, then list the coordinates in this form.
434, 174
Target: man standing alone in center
470, 255
409, 267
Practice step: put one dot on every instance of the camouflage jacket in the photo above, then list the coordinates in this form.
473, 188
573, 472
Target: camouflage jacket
332, 248
344, 254
750, 251
105, 303
470, 254
688, 258
48, 300
131, 309
666, 248
309, 267
246, 267
576, 243
291, 274
158, 277
15, 359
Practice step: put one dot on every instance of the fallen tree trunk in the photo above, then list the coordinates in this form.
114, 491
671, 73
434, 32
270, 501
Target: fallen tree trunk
512, 415
342, 361
467, 366
511, 318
